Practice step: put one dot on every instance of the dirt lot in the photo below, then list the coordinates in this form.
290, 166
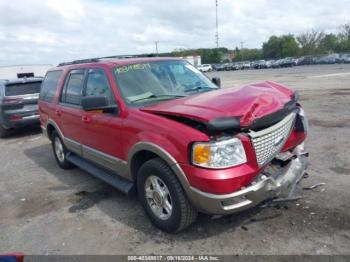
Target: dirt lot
45, 210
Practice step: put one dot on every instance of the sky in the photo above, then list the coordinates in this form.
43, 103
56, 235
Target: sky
52, 31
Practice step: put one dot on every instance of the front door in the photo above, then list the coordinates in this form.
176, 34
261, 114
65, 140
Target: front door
101, 142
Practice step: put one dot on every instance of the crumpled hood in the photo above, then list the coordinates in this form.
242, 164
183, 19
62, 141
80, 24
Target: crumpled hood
247, 103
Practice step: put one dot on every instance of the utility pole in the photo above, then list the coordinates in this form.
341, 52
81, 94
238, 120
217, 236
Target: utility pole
217, 25
242, 50
156, 43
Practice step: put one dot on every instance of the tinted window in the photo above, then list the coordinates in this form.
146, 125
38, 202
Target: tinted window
50, 85
73, 88
22, 89
97, 85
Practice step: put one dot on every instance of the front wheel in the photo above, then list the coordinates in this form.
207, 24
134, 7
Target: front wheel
60, 151
163, 198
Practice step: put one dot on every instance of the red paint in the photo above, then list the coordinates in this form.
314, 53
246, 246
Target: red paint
295, 138
116, 134
250, 102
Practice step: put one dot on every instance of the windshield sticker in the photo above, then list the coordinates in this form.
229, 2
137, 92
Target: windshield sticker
127, 68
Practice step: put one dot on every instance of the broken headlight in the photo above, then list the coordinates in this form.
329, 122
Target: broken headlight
218, 154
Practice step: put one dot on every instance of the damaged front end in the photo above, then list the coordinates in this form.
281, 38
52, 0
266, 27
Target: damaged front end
271, 127
282, 166
278, 180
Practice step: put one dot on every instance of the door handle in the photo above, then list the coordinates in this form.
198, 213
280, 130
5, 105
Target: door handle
86, 119
58, 112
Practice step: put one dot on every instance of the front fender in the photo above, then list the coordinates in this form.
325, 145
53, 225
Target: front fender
163, 154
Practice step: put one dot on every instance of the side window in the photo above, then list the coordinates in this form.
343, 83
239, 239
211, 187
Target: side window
72, 92
50, 85
97, 85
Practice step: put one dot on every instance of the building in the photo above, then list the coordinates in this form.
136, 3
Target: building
194, 60
20, 71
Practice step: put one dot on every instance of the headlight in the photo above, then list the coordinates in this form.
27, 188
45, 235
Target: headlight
219, 154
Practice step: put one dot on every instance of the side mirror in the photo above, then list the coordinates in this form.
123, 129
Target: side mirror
216, 81
91, 103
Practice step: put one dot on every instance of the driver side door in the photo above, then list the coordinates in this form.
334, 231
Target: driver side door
102, 130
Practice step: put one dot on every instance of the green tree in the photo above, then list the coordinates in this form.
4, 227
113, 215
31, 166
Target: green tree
344, 38
329, 43
272, 48
289, 46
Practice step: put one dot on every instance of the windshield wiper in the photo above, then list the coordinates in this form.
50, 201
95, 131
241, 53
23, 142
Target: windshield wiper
199, 88
158, 96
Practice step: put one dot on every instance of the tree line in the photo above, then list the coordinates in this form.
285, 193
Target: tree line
308, 43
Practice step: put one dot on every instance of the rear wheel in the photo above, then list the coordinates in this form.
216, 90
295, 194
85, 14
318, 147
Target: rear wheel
60, 151
4, 131
163, 198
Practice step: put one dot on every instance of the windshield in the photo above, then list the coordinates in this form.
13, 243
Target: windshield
153, 82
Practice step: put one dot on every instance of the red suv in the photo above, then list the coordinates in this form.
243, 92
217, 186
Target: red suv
159, 128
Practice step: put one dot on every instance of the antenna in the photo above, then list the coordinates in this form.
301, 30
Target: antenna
217, 25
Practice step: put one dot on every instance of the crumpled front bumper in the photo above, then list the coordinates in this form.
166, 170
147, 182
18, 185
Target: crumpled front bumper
278, 184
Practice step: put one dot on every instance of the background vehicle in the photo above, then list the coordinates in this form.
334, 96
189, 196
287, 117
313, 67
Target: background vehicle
269, 63
238, 66
229, 66
205, 68
220, 67
246, 65
305, 60
109, 117
346, 58
259, 64
18, 103
286, 62
277, 63
329, 59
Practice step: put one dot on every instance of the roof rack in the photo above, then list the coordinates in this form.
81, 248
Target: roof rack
98, 59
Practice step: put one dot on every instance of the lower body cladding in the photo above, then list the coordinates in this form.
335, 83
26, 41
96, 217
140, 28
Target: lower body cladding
280, 182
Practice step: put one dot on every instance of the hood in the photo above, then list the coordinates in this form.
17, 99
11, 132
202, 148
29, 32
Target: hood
238, 108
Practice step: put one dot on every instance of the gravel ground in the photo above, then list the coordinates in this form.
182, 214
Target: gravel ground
46, 210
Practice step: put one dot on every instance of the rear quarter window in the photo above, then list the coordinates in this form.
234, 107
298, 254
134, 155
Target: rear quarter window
19, 89
50, 85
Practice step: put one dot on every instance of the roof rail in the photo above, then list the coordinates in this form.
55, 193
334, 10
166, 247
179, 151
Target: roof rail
98, 59
81, 61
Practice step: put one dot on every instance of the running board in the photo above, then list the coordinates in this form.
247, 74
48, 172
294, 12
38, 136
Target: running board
106, 176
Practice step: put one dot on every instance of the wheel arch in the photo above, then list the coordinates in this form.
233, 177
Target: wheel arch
52, 126
144, 151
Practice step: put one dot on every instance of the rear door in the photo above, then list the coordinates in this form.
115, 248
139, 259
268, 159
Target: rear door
69, 112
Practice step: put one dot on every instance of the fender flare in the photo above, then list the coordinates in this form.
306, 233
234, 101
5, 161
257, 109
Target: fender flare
164, 155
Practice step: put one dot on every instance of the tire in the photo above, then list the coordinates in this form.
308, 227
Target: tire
60, 151
4, 131
182, 212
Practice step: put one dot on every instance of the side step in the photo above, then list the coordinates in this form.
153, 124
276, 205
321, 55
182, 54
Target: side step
120, 183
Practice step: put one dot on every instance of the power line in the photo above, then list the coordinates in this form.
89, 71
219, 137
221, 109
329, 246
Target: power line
217, 24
